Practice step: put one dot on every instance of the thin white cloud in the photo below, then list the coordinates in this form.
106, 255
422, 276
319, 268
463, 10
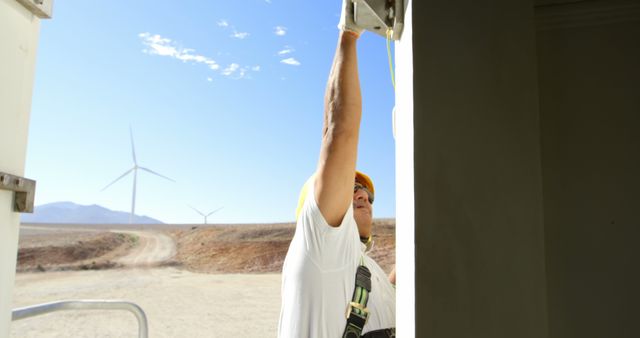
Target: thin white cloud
286, 50
239, 35
280, 30
235, 72
291, 61
231, 69
157, 45
267, 1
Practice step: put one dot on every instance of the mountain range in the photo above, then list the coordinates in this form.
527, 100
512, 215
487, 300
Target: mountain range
71, 213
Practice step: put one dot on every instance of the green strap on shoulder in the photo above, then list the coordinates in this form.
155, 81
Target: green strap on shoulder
357, 312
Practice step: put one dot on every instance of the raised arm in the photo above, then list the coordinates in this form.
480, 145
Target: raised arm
343, 108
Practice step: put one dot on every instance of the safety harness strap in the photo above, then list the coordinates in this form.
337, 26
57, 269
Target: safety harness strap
384, 333
357, 312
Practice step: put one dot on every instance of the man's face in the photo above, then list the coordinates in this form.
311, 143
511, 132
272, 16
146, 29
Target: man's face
362, 208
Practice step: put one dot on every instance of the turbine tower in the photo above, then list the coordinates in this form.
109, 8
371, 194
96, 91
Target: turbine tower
135, 169
203, 215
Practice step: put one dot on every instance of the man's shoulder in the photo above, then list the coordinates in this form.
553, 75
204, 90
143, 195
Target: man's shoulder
308, 212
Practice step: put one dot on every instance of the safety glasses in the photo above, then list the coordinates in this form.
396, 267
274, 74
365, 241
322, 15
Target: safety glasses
357, 186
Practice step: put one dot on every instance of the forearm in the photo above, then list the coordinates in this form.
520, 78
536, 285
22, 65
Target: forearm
343, 100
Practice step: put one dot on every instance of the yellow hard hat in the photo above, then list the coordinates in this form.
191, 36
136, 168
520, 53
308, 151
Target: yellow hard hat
361, 177
365, 180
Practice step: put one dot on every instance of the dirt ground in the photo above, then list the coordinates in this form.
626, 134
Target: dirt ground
79, 250
177, 303
192, 281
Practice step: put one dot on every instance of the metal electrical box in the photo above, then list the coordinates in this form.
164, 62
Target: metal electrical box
39, 8
381, 16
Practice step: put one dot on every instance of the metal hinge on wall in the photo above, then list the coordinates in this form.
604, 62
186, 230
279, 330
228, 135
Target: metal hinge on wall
39, 8
24, 191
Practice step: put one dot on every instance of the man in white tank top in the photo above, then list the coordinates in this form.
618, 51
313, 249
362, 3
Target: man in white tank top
334, 219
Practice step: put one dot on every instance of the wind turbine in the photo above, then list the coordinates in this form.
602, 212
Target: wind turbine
135, 169
207, 215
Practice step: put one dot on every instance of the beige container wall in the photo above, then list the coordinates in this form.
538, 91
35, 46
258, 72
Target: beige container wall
589, 70
19, 31
478, 184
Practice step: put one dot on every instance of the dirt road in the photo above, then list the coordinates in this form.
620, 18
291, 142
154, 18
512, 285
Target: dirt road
177, 303
153, 248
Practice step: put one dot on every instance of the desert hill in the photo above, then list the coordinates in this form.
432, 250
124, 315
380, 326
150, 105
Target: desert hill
72, 213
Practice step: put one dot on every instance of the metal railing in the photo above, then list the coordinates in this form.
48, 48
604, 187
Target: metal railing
40, 309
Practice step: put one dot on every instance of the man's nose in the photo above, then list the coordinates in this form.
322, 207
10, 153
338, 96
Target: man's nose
360, 194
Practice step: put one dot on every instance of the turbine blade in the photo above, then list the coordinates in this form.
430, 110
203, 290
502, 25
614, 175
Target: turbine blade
155, 173
214, 211
196, 210
133, 148
117, 179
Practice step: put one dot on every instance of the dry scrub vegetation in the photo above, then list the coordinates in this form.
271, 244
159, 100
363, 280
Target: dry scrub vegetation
255, 248
259, 248
72, 251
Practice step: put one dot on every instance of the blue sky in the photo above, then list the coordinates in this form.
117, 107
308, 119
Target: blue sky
224, 97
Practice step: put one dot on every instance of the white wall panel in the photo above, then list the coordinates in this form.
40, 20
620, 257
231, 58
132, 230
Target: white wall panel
19, 32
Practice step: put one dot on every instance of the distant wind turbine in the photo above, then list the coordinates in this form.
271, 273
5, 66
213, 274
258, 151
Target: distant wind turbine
203, 215
135, 169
